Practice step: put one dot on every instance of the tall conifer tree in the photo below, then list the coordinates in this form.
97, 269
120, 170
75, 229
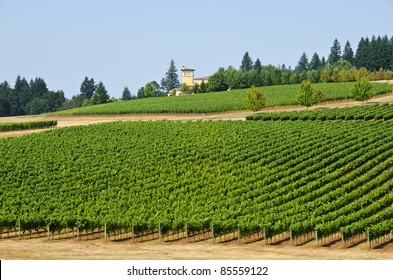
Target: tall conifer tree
126, 94
101, 95
258, 65
22, 90
362, 57
335, 52
171, 79
88, 87
247, 63
348, 53
38, 87
315, 62
303, 63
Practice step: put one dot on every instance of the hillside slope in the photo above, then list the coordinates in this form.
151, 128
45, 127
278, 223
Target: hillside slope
218, 101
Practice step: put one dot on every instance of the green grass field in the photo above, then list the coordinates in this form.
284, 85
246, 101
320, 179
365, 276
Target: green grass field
217, 101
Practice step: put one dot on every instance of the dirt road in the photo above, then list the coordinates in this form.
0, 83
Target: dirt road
153, 250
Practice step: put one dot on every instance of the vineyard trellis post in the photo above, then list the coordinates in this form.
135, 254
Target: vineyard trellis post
19, 229
238, 234
316, 236
133, 233
48, 232
213, 233
186, 232
105, 236
342, 239
368, 237
264, 235
290, 235
159, 232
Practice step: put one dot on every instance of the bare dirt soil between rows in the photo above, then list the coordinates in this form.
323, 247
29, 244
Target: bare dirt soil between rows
65, 121
206, 250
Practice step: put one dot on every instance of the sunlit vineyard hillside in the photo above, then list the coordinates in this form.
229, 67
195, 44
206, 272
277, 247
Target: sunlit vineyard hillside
332, 176
217, 101
370, 112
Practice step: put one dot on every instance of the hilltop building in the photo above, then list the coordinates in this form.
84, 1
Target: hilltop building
187, 77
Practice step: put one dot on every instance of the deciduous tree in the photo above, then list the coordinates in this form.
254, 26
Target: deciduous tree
307, 96
362, 90
149, 90
255, 100
217, 81
185, 89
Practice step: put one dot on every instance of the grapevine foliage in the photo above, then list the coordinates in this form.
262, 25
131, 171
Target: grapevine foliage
271, 176
219, 101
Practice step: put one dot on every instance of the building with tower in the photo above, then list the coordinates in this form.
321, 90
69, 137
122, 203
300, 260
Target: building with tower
187, 77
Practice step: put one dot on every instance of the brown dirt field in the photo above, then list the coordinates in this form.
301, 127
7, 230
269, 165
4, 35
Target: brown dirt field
154, 250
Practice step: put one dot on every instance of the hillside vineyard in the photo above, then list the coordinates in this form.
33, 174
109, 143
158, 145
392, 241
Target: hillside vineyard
218, 101
271, 177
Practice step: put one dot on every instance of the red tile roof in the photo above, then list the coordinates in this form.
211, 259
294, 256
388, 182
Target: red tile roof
203, 78
187, 69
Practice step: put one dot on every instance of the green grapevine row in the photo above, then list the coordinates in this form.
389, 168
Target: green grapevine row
218, 101
370, 112
27, 125
262, 176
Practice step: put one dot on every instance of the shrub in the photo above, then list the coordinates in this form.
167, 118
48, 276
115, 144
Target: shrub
362, 90
307, 96
255, 100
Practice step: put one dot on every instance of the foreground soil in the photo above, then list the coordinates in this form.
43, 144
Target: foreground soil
153, 250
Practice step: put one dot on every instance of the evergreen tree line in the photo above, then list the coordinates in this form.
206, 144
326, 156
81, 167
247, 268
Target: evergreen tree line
34, 98
373, 60
371, 54
28, 98
90, 94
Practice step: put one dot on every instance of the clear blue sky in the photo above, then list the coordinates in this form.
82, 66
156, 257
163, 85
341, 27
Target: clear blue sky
129, 43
